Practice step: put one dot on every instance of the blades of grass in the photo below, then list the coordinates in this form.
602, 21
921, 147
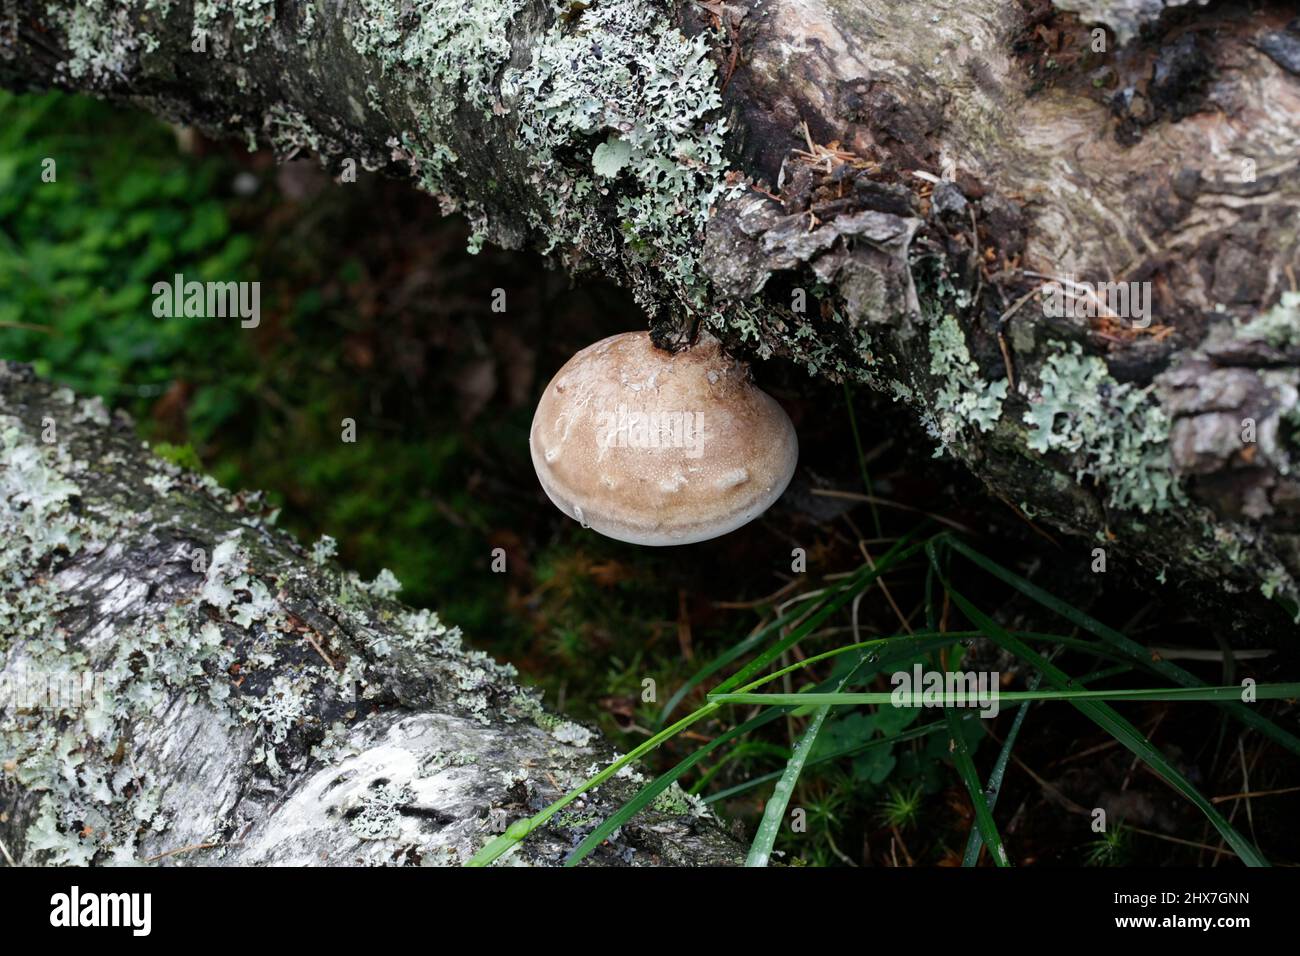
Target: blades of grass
647, 794
912, 733
865, 576
739, 649
976, 841
1106, 673
520, 829
746, 748
1282, 691
828, 602
886, 649
998, 773
760, 851
1121, 642
961, 758
1109, 720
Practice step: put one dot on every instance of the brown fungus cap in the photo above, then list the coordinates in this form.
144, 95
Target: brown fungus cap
657, 448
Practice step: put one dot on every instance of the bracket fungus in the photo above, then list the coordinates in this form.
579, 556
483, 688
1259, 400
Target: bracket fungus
657, 448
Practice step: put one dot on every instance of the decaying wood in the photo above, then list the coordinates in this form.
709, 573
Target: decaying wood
181, 683
880, 191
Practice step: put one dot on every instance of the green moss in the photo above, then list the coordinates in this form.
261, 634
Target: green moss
674, 801
573, 820
182, 456
528, 703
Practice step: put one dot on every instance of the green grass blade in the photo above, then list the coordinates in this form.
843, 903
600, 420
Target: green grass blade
647, 794
1282, 691
520, 829
1119, 728
1121, 642
912, 733
997, 774
889, 649
970, 777
865, 576
760, 851
828, 604
737, 650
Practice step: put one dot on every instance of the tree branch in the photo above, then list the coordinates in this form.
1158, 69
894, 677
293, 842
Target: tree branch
944, 203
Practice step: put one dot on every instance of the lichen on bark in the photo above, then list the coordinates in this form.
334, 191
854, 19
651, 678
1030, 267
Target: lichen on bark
818, 180
180, 675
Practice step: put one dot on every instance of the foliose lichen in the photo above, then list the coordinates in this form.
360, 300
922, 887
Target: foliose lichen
100, 38
647, 117
964, 398
1114, 432
226, 642
455, 48
1279, 326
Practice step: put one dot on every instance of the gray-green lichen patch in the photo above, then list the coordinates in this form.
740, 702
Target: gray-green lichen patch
241, 685
444, 57
378, 814
100, 38
640, 103
1278, 327
35, 526
324, 550
529, 705
290, 132
963, 399
105, 39
249, 19
1113, 433
606, 106
675, 801
455, 48
1124, 17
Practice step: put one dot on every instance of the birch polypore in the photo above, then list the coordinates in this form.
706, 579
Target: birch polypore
655, 447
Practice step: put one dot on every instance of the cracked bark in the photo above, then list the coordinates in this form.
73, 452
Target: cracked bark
265, 709
900, 163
